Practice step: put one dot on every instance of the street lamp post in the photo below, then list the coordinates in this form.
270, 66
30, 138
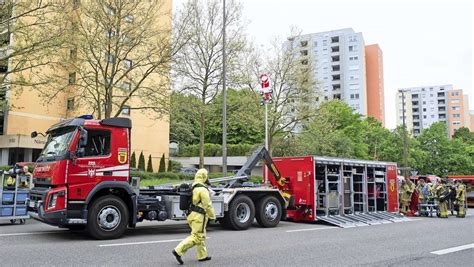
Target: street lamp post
224, 101
405, 141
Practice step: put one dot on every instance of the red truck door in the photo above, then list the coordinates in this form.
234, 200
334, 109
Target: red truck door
102, 161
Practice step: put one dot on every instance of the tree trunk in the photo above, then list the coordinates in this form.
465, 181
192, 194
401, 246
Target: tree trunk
201, 140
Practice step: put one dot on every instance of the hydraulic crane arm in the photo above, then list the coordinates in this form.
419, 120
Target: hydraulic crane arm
259, 154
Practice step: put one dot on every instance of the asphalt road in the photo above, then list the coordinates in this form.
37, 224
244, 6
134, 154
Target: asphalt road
290, 244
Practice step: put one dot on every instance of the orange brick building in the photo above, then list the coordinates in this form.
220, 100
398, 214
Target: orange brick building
375, 86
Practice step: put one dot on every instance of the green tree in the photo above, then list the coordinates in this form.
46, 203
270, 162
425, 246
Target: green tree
149, 165
133, 161
184, 118
198, 68
436, 149
162, 164
464, 135
245, 118
141, 162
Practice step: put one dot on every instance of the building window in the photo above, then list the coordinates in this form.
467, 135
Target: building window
110, 58
315, 44
354, 67
352, 38
353, 58
456, 115
73, 54
424, 116
441, 94
455, 101
456, 108
129, 18
455, 93
110, 33
424, 109
125, 110
352, 48
354, 96
456, 123
75, 4
304, 43
354, 77
335, 39
304, 62
110, 10
127, 63
127, 86
72, 78
432, 116
70, 103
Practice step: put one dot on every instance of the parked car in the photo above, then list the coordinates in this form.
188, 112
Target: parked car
188, 170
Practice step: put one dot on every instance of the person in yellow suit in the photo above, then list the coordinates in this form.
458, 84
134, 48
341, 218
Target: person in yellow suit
406, 190
460, 197
201, 212
441, 190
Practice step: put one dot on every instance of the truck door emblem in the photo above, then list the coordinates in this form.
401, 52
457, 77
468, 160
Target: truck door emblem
91, 172
122, 155
392, 185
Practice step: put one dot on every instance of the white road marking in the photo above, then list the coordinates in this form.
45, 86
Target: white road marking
312, 229
142, 243
453, 249
33, 233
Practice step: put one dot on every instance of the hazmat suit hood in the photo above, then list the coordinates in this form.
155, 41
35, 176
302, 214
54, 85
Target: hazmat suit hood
201, 177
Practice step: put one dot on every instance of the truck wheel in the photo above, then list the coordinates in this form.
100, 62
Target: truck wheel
241, 213
269, 211
107, 218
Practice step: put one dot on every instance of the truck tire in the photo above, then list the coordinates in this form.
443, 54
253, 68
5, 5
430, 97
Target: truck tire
269, 211
107, 218
241, 213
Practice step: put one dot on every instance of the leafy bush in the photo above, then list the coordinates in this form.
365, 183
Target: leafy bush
174, 166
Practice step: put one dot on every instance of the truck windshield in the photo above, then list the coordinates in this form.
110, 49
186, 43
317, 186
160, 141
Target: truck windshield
57, 144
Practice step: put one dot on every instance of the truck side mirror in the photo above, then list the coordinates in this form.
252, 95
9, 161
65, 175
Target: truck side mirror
34, 134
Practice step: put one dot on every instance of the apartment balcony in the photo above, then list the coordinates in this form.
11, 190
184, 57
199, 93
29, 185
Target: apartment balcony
336, 72
336, 82
335, 58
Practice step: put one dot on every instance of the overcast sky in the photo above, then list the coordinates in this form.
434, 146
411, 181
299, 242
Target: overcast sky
423, 42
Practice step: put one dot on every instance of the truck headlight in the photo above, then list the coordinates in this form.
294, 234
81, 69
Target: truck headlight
52, 200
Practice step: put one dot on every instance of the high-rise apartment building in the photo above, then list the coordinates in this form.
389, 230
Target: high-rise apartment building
375, 86
422, 106
27, 111
339, 65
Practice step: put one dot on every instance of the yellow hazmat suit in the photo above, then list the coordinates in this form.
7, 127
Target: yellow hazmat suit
460, 197
440, 189
406, 190
198, 221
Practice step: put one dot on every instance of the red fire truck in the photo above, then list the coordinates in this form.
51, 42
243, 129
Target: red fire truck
82, 181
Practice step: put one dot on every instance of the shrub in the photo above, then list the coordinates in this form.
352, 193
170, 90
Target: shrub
162, 167
141, 162
149, 165
133, 161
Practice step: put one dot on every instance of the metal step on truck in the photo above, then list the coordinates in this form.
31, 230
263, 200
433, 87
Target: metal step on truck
82, 181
